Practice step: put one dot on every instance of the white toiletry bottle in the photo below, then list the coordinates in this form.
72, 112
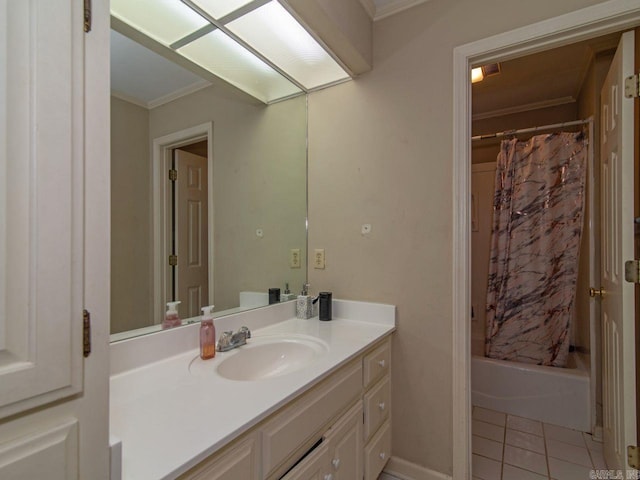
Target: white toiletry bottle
304, 303
287, 295
171, 318
207, 334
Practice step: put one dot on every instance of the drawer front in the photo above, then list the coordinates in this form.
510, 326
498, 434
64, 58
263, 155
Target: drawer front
376, 364
377, 453
300, 425
313, 467
377, 404
234, 463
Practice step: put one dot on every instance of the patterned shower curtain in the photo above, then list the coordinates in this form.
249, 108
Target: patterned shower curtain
535, 241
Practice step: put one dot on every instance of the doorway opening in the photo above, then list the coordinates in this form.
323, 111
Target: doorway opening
183, 220
188, 263
584, 24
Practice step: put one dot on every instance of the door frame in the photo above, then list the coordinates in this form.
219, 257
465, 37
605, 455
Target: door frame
161, 163
593, 21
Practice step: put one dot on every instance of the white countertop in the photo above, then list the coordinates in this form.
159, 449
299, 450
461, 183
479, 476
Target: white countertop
169, 419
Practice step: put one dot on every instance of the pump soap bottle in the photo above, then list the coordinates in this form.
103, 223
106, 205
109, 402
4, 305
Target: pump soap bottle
304, 303
207, 334
171, 318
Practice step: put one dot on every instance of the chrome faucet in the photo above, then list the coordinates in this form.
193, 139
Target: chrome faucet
229, 340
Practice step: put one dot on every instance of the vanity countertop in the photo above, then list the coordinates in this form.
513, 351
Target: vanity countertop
169, 419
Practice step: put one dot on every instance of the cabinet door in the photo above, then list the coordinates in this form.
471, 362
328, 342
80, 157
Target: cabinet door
345, 445
53, 236
41, 206
313, 467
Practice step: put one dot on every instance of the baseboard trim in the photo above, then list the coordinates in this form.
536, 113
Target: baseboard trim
405, 470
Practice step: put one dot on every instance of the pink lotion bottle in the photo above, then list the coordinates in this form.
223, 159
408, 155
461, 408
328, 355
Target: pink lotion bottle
207, 334
171, 318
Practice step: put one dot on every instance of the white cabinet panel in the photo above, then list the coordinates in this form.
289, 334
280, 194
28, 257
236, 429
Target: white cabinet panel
41, 210
50, 454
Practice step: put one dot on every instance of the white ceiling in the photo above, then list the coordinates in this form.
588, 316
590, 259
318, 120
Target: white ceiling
548, 78
147, 79
143, 77
553, 77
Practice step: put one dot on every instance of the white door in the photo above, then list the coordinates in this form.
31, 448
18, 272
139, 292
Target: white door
191, 235
54, 259
618, 368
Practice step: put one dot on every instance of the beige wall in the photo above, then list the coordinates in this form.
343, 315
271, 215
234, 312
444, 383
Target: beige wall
131, 291
259, 181
380, 152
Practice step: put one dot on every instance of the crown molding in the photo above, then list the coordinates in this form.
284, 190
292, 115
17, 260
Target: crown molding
390, 7
554, 102
370, 7
395, 6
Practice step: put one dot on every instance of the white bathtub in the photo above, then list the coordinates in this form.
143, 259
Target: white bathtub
560, 396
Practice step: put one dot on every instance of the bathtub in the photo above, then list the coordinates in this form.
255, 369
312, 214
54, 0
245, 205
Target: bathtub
560, 396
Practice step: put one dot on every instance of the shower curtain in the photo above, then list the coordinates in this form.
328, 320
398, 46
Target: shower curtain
535, 241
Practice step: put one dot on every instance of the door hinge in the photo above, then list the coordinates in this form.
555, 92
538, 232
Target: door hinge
86, 333
87, 16
173, 175
633, 456
632, 271
173, 260
632, 86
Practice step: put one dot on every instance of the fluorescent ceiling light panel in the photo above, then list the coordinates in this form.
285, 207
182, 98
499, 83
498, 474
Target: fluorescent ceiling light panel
163, 20
273, 32
219, 8
228, 60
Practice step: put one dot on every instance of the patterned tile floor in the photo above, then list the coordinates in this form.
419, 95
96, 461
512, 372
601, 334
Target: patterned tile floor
506, 447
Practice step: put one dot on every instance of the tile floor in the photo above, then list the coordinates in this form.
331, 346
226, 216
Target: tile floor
506, 447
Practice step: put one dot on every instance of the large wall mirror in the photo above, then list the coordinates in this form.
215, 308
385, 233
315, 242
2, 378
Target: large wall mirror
230, 223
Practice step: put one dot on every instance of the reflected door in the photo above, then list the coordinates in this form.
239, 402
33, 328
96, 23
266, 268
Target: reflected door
191, 274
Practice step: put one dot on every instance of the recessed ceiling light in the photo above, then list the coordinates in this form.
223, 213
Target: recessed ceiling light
480, 73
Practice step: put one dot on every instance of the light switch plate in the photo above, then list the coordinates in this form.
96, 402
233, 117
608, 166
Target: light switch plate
294, 258
318, 258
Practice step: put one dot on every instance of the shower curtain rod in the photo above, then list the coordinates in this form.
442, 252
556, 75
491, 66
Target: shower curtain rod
531, 129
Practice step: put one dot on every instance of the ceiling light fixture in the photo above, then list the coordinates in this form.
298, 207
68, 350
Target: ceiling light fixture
256, 45
480, 73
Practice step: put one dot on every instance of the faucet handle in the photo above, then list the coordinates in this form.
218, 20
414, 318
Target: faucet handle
246, 331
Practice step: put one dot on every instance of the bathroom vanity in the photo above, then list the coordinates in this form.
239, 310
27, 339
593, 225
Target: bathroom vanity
322, 412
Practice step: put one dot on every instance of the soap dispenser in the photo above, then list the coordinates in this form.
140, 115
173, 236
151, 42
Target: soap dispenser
207, 334
304, 303
287, 295
171, 318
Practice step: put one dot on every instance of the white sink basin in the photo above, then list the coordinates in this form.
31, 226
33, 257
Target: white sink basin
265, 357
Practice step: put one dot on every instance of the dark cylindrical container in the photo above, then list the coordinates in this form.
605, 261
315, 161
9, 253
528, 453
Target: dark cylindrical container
274, 295
325, 305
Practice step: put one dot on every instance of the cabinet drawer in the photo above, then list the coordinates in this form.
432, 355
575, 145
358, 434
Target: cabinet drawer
235, 462
376, 363
313, 467
298, 426
377, 453
377, 404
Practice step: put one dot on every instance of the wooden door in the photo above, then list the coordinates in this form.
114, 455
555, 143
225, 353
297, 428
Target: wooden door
191, 233
618, 335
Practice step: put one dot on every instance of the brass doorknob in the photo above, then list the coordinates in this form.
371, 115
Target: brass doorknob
596, 292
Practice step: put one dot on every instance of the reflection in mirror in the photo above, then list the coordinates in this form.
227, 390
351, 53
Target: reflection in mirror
234, 215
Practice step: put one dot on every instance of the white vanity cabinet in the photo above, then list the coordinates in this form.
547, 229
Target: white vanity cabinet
377, 408
337, 430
